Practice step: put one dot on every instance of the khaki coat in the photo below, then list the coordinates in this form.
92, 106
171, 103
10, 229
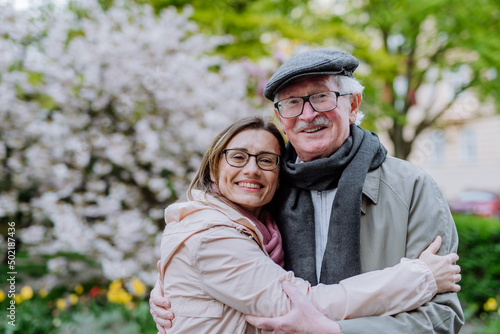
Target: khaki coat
402, 211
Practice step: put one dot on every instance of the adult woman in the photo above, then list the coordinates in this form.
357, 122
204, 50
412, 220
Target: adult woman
219, 262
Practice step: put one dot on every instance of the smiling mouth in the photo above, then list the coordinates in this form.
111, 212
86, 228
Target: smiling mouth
313, 130
249, 185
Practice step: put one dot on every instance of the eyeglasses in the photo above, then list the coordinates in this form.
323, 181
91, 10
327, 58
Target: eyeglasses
320, 102
238, 158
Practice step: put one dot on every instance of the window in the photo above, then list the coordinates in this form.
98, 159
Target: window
468, 147
437, 147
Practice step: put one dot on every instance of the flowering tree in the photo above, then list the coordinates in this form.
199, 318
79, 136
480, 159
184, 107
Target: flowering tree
104, 117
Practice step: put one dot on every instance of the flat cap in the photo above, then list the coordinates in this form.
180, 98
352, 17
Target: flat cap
311, 62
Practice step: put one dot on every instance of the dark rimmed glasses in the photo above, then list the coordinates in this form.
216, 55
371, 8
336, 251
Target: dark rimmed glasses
239, 158
320, 102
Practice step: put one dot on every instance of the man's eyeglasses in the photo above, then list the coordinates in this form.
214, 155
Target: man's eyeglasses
320, 102
238, 158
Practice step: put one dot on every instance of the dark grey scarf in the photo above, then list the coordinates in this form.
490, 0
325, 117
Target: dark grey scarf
293, 208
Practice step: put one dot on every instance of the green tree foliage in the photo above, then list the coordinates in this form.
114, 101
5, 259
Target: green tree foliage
424, 43
255, 24
404, 46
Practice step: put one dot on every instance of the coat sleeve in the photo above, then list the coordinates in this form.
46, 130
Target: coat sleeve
429, 216
237, 273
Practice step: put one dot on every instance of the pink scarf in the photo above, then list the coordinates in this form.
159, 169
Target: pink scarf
272, 237
267, 227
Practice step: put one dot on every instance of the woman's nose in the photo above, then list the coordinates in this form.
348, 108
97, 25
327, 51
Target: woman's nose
251, 166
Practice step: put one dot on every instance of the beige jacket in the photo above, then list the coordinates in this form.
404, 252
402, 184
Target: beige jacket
214, 269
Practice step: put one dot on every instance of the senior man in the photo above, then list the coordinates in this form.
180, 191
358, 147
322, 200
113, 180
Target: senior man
344, 207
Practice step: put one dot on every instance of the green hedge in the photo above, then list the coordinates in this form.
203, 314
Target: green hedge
479, 251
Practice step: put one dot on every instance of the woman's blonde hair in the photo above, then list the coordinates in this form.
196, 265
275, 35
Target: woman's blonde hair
211, 160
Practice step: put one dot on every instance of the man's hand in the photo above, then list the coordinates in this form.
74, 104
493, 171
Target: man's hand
159, 307
304, 318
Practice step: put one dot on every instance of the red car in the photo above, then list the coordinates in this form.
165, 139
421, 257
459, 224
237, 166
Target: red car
478, 202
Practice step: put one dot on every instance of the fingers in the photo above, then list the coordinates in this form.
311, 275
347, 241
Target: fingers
291, 291
160, 302
253, 320
259, 322
161, 324
454, 286
161, 315
447, 280
457, 278
162, 318
435, 245
156, 300
161, 330
453, 257
457, 287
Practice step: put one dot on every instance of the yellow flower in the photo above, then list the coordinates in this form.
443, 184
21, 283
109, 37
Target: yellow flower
43, 292
61, 304
73, 299
26, 292
490, 305
79, 289
116, 293
138, 288
18, 298
2, 296
115, 285
119, 296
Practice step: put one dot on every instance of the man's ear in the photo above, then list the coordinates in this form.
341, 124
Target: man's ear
355, 102
279, 119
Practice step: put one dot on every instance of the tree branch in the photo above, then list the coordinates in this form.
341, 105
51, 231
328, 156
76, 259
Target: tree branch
426, 122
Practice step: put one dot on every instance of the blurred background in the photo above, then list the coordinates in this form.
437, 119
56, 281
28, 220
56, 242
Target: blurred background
106, 108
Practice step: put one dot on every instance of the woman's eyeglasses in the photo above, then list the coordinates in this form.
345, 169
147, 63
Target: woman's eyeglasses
238, 158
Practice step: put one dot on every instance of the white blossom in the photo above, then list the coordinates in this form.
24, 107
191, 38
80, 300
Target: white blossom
33, 234
104, 118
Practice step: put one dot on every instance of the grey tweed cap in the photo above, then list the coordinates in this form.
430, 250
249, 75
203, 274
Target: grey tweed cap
311, 62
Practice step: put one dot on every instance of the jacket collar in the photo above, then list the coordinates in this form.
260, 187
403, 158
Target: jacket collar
371, 188
209, 206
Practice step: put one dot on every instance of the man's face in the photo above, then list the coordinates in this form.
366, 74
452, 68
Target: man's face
316, 135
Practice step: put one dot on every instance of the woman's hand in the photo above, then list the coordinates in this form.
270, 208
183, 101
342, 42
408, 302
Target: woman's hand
445, 272
159, 306
304, 318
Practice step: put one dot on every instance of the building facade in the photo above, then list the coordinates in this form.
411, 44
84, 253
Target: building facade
464, 154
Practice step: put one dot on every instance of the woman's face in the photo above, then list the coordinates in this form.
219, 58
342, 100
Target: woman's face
249, 186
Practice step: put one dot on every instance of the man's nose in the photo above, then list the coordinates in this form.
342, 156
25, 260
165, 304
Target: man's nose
308, 113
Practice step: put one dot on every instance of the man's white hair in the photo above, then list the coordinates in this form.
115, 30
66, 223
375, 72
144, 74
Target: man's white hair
344, 84
349, 84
